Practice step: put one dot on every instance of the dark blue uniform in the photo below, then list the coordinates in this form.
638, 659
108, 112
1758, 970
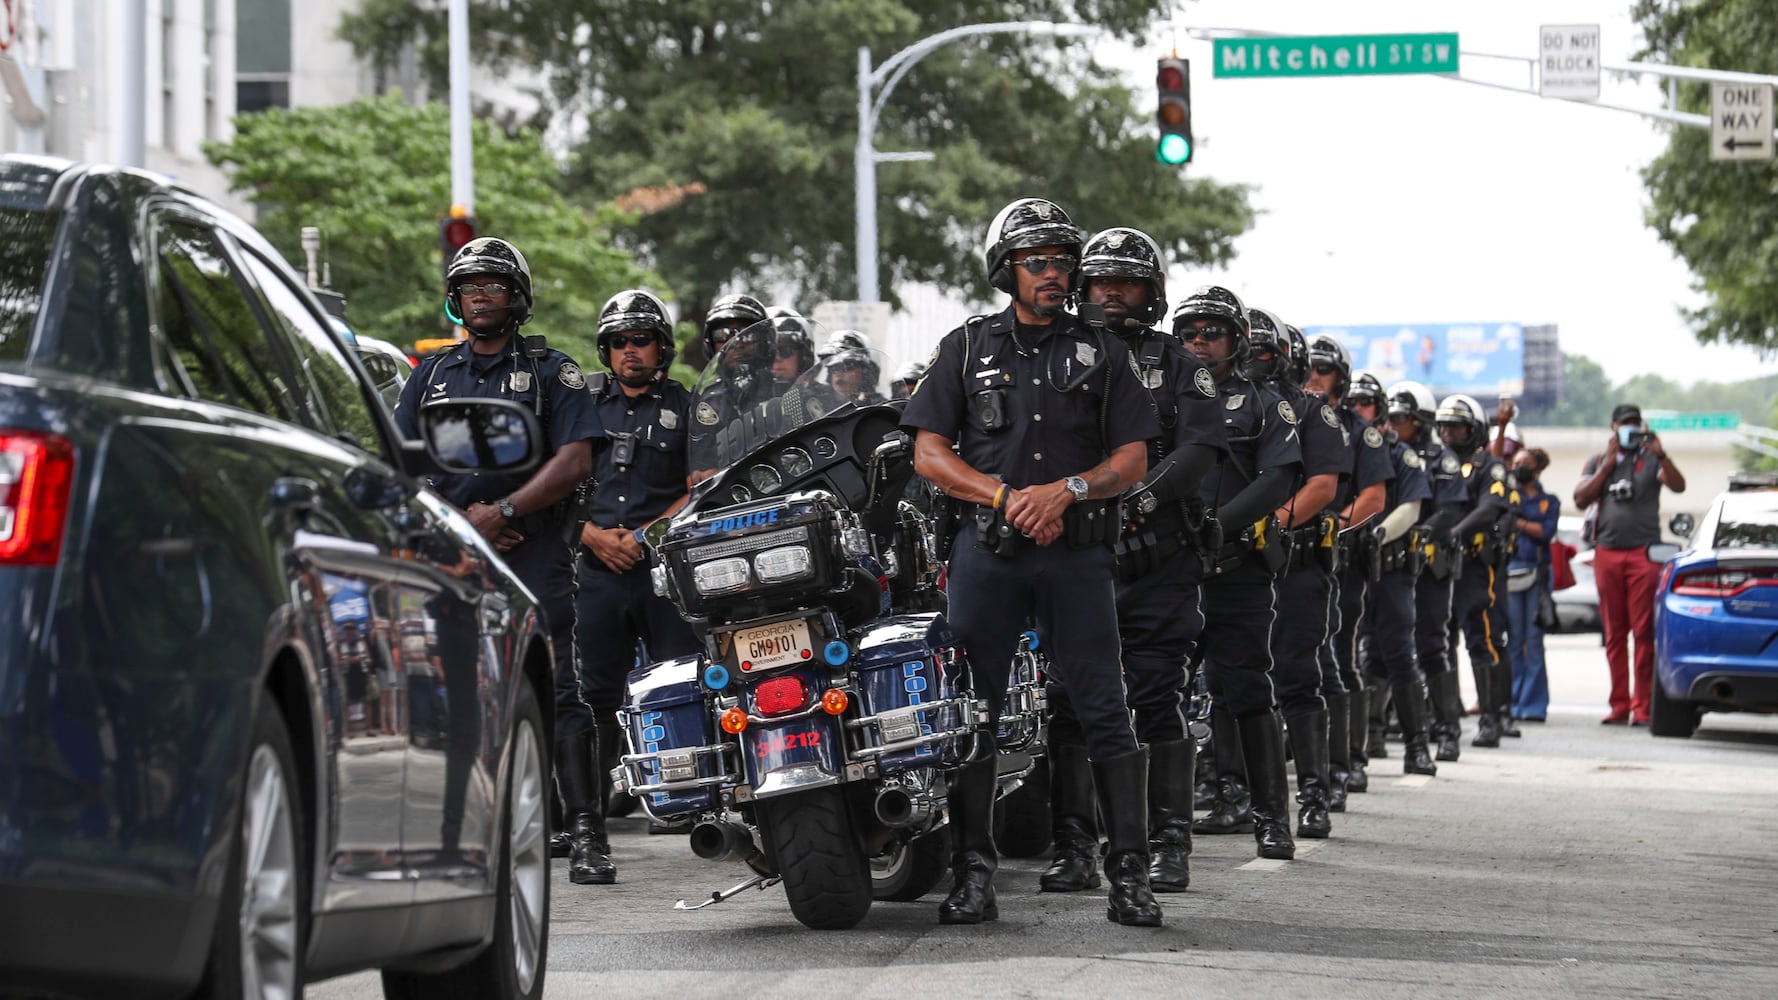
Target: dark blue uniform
640, 466
553, 387
1391, 608
1432, 591
1305, 591
1478, 602
1002, 394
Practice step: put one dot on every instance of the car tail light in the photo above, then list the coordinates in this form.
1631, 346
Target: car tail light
36, 475
1724, 582
780, 695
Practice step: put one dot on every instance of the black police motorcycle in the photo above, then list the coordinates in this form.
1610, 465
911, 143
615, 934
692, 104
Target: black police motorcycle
806, 739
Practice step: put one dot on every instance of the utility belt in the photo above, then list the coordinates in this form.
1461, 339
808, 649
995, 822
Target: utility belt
1084, 524
1167, 531
1405, 554
1442, 557
1314, 544
1488, 548
1261, 544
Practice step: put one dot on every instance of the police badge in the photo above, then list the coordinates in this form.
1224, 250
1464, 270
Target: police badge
669, 419
1085, 354
1235, 401
519, 381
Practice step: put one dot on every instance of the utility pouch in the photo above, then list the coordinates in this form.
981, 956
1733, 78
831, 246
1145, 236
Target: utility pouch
1419, 550
1091, 522
1328, 551
1369, 553
945, 520
1142, 553
987, 408
1269, 545
993, 533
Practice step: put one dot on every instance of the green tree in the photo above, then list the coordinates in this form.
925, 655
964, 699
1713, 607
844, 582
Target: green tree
374, 176
1719, 217
754, 107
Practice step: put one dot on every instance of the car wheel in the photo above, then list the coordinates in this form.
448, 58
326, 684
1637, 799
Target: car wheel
1671, 716
512, 966
258, 946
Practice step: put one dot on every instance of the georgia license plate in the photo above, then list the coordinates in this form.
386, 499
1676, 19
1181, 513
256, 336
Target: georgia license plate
772, 645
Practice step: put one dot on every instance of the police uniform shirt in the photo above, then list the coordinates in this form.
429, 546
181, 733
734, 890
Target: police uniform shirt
1327, 448
1445, 471
1261, 426
657, 422
460, 373
1183, 393
1486, 481
1370, 458
1411, 481
1046, 434
1632, 523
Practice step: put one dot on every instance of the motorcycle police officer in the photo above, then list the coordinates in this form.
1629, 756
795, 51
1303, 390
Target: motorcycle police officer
727, 316
640, 466
1412, 414
1048, 427
1491, 501
489, 294
1159, 572
1263, 466
1361, 499
1305, 588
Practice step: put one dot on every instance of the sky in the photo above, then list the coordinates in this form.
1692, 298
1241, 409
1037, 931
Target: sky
1416, 199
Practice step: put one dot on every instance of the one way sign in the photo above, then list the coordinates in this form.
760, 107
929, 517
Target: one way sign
1741, 121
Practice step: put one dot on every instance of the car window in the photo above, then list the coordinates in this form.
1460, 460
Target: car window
24, 257
1747, 529
204, 314
344, 412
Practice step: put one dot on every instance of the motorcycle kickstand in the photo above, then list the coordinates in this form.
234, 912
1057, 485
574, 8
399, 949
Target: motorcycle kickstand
760, 882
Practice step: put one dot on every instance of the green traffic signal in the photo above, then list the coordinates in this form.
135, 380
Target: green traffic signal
1173, 149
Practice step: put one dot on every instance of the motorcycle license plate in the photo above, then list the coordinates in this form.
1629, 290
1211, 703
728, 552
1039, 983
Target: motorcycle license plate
773, 645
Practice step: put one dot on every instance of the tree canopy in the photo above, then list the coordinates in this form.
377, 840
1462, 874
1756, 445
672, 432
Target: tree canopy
1720, 218
757, 104
374, 177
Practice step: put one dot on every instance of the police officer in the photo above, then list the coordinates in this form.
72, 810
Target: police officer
1261, 472
796, 347
1361, 500
1049, 427
907, 377
1305, 589
1491, 501
728, 316
640, 465
1159, 572
488, 293
1412, 414
1391, 560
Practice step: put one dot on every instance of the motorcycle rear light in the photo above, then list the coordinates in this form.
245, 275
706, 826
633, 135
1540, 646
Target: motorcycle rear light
834, 701
1722, 583
781, 695
734, 721
36, 476
721, 575
786, 562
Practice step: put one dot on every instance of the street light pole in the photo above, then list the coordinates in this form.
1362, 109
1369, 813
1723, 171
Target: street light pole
462, 147
865, 155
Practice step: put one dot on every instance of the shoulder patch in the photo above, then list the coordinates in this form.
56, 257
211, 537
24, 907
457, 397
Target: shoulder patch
1497, 489
1497, 472
570, 375
1410, 458
1328, 418
1373, 438
1448, 463
1206, 385
1543, 506
1286, 412
706, 414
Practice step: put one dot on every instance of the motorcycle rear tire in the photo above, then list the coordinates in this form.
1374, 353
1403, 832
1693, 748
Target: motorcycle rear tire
1022, 816
827, 878
909, 870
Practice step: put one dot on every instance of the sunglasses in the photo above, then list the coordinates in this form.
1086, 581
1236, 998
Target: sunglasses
788, 350
491, 288
1207, 334
723, 334
1037, 263
1323, 368
622, 341
1370, 401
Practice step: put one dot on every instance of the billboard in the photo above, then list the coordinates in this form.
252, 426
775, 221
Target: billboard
1482, 359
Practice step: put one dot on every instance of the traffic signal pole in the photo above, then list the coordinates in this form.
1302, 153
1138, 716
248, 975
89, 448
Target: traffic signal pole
462, 149
865, 155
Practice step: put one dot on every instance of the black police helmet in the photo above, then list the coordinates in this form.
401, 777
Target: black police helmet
730, 308
1298, 372
1325, 350
794, 335
1217, 302
635, 309
1128, 253
1266, 334
1028, 222
489, 255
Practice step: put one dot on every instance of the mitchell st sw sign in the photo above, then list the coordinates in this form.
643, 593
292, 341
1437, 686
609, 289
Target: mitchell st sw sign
1335, 55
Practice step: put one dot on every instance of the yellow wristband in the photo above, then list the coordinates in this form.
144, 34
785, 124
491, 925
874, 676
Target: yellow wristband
1000, 497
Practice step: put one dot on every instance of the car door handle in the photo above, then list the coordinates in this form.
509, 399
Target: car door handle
296, 493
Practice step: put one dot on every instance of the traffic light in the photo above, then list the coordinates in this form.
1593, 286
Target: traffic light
454, 232
1173, 111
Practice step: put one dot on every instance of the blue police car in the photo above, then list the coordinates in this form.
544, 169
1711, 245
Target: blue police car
1716, 612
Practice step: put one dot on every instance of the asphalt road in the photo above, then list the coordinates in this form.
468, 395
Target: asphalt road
1578, 861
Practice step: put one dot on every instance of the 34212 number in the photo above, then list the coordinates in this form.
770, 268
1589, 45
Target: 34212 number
775, 743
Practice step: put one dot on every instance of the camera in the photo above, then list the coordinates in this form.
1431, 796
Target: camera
623, 448
1640, 438
1619, 490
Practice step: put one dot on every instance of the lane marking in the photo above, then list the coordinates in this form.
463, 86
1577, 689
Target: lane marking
1271, 864
1412, 780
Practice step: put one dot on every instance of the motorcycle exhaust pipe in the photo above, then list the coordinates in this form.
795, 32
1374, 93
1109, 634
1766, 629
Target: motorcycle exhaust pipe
719, 841
896, 808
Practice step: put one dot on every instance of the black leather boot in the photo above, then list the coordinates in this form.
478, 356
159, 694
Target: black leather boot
1171, 766
1359, 781
1073, 826
1487, 727
558, 841
1416, 758
1262, 745
1339, 750
1503, 699
1204, 785
1376, 719
973, 858
1232, 810
577, 768
1123, 799
1444, 728
1308, 744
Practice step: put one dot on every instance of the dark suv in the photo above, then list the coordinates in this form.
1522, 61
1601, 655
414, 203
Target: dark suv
269, 708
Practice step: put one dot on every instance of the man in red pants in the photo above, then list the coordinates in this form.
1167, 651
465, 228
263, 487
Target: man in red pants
1625, 480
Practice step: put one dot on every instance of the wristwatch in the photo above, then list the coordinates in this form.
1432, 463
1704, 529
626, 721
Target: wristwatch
507, 510
1076, 486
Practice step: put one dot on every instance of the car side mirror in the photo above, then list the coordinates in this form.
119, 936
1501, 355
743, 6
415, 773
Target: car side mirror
1661, 552
480, 435
1681, 524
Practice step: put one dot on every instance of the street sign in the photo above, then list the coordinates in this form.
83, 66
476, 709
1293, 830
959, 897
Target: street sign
1568, 62
1662, 421
1741, 121
1336, 55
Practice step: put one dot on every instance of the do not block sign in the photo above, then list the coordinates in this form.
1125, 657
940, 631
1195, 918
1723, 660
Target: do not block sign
1568, 61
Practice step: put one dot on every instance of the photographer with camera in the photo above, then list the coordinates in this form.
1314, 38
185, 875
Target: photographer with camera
1625, 480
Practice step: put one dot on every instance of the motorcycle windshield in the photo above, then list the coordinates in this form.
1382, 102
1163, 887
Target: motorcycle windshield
769, 380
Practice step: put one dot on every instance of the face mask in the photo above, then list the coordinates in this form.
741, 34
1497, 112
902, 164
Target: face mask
1626, 435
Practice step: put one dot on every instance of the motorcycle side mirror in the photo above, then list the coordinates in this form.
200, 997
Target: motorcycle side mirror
1681, 524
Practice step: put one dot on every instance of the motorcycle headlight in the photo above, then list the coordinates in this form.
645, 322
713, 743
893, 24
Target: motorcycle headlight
787, 562
719, 576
